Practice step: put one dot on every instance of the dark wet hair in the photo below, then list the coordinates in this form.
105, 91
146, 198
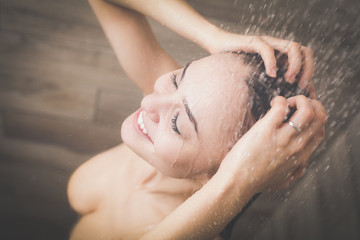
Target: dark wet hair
263, 88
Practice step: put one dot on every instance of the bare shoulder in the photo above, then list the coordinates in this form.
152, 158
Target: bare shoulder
88, 183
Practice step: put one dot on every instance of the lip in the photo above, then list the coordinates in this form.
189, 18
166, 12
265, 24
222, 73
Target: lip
137, 127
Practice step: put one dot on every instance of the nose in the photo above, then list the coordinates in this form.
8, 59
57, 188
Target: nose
155, 104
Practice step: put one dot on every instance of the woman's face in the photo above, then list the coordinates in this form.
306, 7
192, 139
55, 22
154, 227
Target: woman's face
186, 126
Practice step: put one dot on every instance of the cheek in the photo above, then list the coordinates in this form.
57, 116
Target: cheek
168, 148
175, 157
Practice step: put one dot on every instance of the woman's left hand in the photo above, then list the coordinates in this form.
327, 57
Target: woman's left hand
300, 57
273, 154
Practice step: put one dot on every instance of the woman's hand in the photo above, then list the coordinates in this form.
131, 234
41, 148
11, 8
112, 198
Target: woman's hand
300, 57
273, 154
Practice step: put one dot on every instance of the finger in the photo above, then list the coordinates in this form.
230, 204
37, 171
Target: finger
308, 67
303, 159
308, 139
293, 50
317, 126
299, 173
301, 118
305, 153
278, 111
311, 90
278, 44
267, 54
304, 110
295, 61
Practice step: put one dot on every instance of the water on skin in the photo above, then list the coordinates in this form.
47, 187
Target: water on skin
226, 122
331, 29
335, 45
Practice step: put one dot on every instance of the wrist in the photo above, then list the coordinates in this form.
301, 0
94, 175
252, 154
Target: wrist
237, 186
213, 40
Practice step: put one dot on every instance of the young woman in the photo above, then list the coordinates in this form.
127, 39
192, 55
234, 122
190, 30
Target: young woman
190, 163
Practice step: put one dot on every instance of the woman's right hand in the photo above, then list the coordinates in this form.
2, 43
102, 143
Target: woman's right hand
301, 60
273, 154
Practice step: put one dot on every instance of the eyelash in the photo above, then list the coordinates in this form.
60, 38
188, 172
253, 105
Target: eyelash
173, 123
176, 115
173, 80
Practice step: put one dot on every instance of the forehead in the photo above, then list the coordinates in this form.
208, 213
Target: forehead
217, 72
217, 94
213, 81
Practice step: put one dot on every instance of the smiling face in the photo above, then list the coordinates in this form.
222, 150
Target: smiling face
193, 117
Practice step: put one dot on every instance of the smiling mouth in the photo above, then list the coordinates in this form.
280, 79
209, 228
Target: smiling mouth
141, 126
140, 122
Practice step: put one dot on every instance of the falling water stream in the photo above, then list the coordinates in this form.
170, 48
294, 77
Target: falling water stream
332, 30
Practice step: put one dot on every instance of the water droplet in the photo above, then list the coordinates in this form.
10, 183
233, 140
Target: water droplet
326, 168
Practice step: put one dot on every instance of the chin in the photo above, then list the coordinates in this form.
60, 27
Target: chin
126, 133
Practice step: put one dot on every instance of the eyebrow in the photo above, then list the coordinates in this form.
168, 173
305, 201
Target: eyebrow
186, 105
184, 71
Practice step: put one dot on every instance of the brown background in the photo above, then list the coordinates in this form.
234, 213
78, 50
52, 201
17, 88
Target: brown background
63, 97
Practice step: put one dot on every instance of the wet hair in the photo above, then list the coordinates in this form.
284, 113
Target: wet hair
263, 88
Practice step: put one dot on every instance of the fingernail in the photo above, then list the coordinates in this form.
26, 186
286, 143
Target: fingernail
290, 78
273, 72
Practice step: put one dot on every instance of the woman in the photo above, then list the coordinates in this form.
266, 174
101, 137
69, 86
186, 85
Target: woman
175, 178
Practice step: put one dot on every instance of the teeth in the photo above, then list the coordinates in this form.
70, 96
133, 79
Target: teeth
141, 123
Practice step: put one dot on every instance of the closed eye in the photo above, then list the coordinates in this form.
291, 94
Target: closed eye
174, 125
173, 80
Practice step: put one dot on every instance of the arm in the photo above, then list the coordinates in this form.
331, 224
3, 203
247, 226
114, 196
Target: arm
180, 17
268, 156
135, 46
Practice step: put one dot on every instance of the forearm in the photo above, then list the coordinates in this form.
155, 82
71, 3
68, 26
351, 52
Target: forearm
208, 211
178, 16
134, 43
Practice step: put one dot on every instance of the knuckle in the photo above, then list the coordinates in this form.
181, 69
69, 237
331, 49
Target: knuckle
309, 51
279, 102
308, 114
300, 145
282, 143
296, 148
294, 45
303, 98
323, 117
320, 112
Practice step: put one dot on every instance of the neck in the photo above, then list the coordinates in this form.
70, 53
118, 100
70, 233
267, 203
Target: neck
155, 181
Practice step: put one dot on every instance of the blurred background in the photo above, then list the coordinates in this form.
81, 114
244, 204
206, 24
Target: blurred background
63, 97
